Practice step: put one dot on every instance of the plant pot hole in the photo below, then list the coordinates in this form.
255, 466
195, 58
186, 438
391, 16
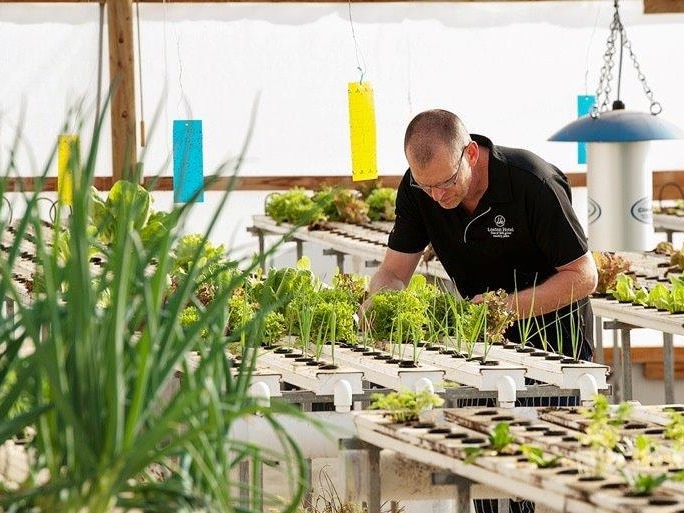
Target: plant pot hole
503, 418
555, 432
293, 355
520, 423
553, 357
570, 360
433, 348
283, 350
487, 413
662, 501
407, 364
371, 353
327, 366
613, 486
537, 428
635, 425
568, 472
524, 349
673, 408
473, 440
359, 349
312, 363
591, 478
456, 436
439, 431
392, 360
654, 431
421, 425
449, 352
303, 359
569, 439
539, 354
382, 357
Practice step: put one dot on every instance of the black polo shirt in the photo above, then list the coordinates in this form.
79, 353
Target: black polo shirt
522, 229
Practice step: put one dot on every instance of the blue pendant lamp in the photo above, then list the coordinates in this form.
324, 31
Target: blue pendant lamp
618, 124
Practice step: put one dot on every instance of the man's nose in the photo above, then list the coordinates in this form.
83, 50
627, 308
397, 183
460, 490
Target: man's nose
436, 193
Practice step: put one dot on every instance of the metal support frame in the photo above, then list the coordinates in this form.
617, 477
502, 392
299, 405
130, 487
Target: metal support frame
339, 255
374, 483
598, 340
261, 235
668, 367
624, 360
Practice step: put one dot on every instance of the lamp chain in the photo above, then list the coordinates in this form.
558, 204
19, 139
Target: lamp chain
617, 29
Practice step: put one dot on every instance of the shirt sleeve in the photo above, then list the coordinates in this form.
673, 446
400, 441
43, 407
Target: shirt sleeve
557, 231
408, 234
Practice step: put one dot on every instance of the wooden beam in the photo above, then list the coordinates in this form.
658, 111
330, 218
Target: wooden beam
666, 184
663, 6
122, 76
271, 1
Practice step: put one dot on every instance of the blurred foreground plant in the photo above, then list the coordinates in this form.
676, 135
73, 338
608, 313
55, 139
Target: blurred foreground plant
115, 426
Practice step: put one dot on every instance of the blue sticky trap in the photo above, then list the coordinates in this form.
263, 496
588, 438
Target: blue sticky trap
188, 163
584, 104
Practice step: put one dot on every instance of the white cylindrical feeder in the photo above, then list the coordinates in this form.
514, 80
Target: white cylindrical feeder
619, 189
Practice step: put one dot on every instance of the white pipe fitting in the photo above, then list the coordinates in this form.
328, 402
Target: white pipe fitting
342, 396
261, 393
588, 388
506, 392
424, 384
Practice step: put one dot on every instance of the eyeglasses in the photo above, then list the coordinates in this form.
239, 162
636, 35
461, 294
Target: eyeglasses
446, 184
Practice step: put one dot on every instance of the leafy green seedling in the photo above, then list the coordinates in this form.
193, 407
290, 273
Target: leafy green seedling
405, 405
644, 484
500, 440
536, 455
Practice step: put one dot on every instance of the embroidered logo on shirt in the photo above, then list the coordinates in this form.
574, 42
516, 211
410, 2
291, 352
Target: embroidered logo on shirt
500, 231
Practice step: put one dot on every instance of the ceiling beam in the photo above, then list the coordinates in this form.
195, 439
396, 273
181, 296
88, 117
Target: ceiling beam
663, 6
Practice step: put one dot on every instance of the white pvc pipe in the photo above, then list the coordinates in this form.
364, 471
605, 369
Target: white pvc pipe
314, 442
506, 392
342, 396
588, 388
424, 384
261, 393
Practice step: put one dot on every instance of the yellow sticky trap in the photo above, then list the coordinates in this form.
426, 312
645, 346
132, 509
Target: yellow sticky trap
362, 132
68, 150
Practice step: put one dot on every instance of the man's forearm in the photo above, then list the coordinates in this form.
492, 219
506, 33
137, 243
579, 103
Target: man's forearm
557, 291
385, 280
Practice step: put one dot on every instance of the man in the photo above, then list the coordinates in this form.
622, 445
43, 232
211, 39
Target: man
497, 218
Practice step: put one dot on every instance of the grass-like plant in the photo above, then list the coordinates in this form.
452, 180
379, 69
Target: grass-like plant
100, 372
525, 321
471, 325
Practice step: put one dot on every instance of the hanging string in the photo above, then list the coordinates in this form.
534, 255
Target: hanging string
180, 72
98, 94
591, 40
357, 51
166, 75
140, 75
408, 75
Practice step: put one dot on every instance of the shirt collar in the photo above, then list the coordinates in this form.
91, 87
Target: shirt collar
499, 187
